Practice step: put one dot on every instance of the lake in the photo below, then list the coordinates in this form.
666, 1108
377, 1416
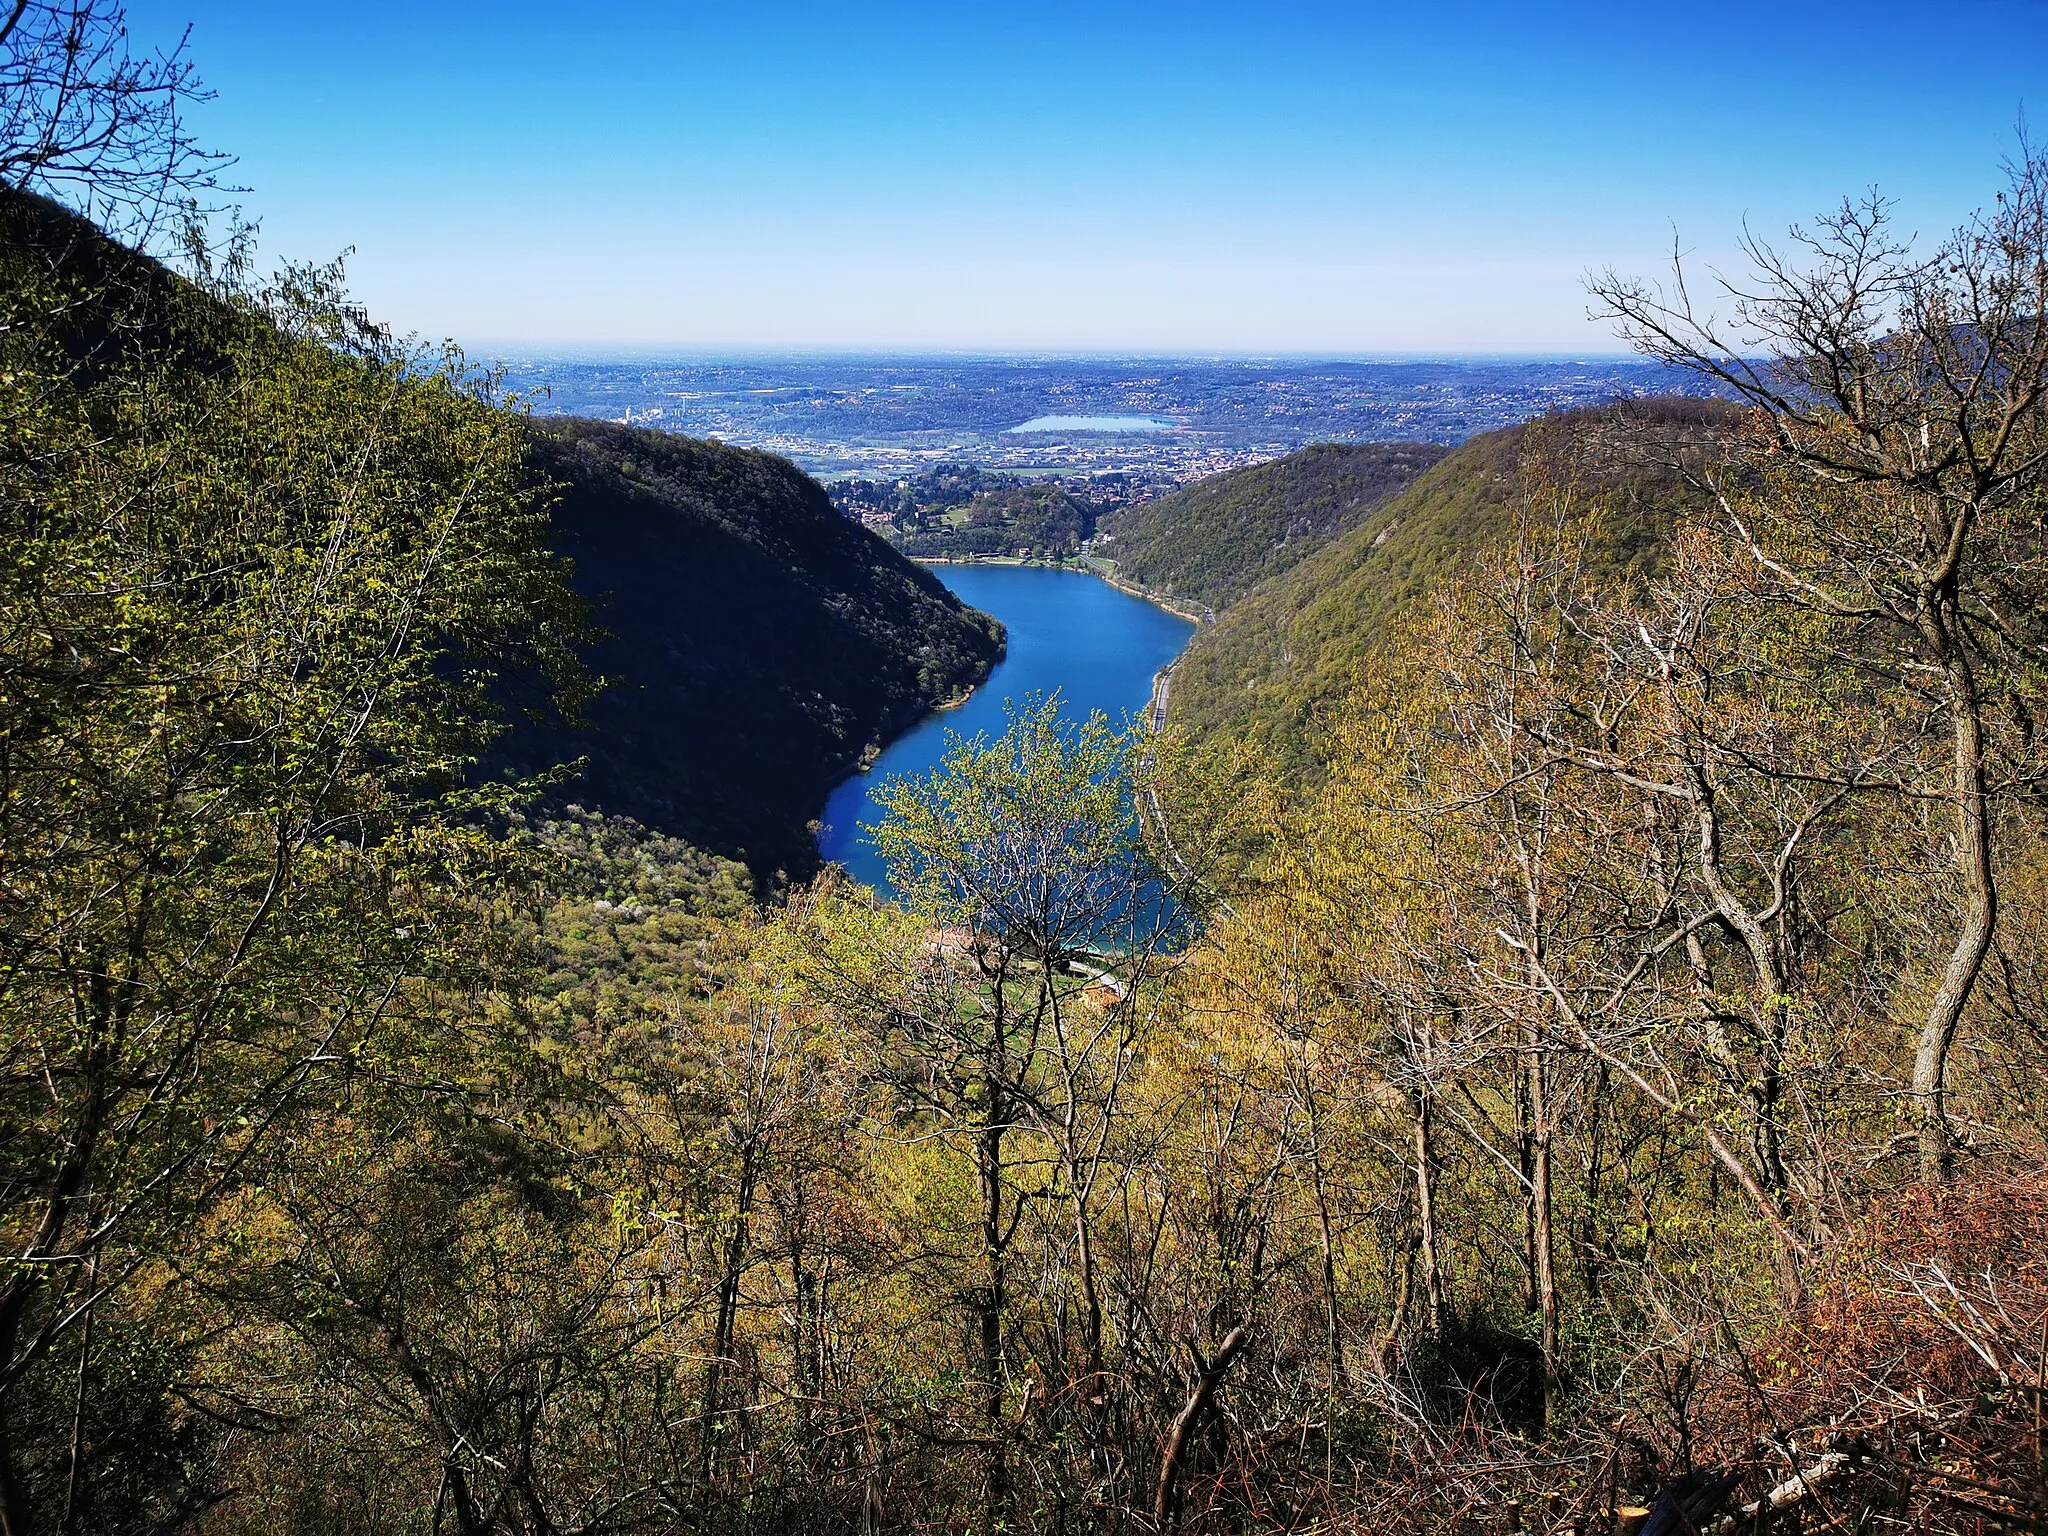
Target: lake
1094, 424
1070, 633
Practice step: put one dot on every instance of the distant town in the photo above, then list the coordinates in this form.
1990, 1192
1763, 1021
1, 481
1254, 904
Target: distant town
881, 420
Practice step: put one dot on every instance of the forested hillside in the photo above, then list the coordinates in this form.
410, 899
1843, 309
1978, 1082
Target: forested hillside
960, 512
758, 642
1028, 518
1295, 645
1215, 540
1608, 1103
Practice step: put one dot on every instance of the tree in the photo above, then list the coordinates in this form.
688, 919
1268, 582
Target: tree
1003, 1015
87, 120
1891, 484
261, 569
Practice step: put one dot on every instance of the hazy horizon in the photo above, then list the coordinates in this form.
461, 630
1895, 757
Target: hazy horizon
598, 351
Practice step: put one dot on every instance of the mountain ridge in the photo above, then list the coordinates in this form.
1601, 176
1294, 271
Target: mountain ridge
1215, 539
1300, 640
758, 643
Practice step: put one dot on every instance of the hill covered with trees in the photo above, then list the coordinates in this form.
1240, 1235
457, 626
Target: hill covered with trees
1027, 518
757, 641
1215, 540
1609, 1103
960, 512
1296, 644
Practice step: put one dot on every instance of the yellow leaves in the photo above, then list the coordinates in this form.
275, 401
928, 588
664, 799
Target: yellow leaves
626, 1216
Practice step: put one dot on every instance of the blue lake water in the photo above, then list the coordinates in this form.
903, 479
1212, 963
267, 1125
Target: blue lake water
1070, 633
1095, 424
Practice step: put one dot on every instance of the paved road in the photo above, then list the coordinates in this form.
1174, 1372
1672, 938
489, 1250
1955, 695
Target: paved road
1162, 682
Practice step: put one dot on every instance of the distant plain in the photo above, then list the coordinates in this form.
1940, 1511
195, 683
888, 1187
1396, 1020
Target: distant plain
839, 415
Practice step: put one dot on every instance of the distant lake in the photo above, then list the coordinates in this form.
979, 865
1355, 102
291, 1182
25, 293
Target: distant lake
1069, 632
1095, 424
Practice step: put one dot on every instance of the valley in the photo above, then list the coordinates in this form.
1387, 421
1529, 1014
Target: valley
669, 942
1160, 419
1070, 635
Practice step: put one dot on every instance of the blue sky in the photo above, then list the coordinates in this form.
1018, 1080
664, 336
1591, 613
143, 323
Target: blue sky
1283, 177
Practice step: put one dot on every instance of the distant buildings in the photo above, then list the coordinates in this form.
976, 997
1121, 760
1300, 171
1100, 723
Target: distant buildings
889, 422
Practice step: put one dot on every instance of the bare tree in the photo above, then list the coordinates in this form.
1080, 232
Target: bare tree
88, 120
1891, 487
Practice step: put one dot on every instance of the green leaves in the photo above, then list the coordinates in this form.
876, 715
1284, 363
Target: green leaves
259, 570
1035, 837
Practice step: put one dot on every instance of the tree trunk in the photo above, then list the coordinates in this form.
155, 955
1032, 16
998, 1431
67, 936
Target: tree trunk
1591, 1263
1543, 1230
1425, 1203
1980, 920
1333, 1325
1525, 1165
996, 1510
73, 1508
727, 1323
1172, 1465
1402, 1280
1333, 1328
1095, 1359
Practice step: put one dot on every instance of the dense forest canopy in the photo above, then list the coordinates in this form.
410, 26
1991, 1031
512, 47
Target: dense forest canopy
263, 567
1028, 519
1298, 643
961, 512
1215, 540
1585, 1077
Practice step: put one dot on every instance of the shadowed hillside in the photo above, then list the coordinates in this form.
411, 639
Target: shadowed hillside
758, 642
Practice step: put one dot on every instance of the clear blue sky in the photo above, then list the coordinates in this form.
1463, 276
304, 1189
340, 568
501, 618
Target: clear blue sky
1332, 177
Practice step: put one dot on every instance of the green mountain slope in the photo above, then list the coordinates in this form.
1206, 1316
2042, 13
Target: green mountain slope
758, 641
1032, 517
1303, 639
1215, 540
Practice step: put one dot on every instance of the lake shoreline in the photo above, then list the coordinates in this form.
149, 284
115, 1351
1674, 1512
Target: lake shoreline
1098, 645
1195, 616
